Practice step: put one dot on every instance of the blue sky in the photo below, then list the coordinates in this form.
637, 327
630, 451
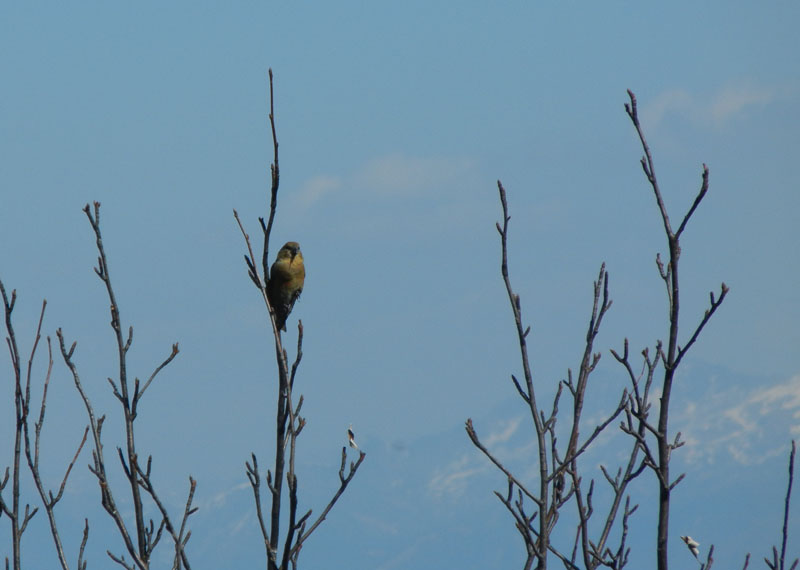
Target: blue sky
395, 121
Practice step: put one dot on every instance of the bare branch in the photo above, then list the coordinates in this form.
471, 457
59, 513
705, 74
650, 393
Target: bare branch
344, 481
676, 481
715, 303
709, 559
252, 271
647, 161
122, 347
179, 538
298, 357
81, 561
276, 178
18, 521
288, 423
138, 395
98, 462
521, 391
700, 195
255, 482
673, 353
787, 503
120, 560
522, 333
476, 441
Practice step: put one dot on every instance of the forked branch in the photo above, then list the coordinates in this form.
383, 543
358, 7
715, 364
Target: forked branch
147, 534
555, 471
288, 422
672, 354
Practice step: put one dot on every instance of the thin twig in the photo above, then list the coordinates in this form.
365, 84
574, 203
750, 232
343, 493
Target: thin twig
785, 533
138, 395
522, 333
477, 443
177, 536
276, 177
343, 482
255, 482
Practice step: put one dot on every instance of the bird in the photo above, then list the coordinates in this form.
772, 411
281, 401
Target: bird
692, 544
351, 437
286, 279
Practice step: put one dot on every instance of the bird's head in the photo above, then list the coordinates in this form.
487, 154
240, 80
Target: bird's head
290, 250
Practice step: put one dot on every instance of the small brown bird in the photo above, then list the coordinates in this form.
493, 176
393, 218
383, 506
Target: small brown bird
286, 280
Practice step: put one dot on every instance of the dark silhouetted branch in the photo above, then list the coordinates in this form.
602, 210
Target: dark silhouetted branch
778, 561
288, 422
148, 534
18, 519
672, 356
552, 494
